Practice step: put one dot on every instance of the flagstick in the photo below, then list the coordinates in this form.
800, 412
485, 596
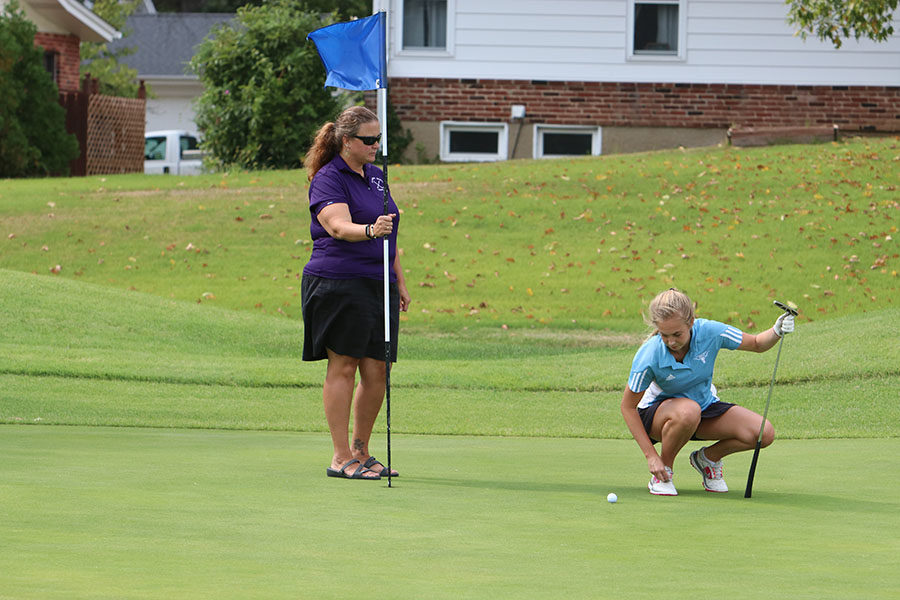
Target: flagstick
346, 53
382, 116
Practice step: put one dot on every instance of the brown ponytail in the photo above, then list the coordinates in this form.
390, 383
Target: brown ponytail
327, 142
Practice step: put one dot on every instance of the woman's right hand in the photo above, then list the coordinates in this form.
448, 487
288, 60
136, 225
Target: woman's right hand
383, 225
657, 468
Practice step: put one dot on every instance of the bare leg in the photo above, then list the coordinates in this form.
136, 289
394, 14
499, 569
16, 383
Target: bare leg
368, 401
337, 395
736, 430
674, 423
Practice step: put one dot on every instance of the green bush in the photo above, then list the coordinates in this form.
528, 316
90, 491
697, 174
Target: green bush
101, 62
264, 97
399, 139
33, 137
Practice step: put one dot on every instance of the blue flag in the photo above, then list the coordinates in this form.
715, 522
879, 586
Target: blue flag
353, 53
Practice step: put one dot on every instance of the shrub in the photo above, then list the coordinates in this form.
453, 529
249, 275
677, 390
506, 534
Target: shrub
264, 97
33, 137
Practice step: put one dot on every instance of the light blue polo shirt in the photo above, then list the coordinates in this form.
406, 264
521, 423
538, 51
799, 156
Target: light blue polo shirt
691, 378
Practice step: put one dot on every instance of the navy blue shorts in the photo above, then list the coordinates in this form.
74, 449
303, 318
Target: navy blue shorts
716, 409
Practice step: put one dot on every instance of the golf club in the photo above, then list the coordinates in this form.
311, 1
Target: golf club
749, 490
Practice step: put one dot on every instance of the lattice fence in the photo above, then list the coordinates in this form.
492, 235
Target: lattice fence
115, 135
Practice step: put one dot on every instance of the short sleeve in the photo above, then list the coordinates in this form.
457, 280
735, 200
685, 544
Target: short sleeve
731, 337
326, 188
641, 369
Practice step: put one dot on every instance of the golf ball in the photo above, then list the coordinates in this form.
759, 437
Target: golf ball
612, 498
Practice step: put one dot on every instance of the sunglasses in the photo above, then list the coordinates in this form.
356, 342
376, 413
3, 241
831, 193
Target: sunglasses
369, 140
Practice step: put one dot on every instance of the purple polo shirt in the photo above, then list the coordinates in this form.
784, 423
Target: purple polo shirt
338, 259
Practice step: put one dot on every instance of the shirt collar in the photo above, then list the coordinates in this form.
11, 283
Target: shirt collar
668, 360
342, 165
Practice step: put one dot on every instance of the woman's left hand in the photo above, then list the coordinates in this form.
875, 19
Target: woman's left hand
405, 298
784, 324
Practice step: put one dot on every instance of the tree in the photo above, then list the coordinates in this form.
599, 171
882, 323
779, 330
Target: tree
33, 138
264, 97
837, 20
115, 79
343, 9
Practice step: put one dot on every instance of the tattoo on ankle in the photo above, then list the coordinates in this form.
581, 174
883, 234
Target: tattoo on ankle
358, 445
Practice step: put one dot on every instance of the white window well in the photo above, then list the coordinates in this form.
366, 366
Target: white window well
656, 29
556, 141
474, 142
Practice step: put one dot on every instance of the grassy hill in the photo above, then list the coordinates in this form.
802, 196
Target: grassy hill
176, 304
570, 244
169, 306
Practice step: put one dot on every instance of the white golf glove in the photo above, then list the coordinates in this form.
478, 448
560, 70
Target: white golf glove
784, 324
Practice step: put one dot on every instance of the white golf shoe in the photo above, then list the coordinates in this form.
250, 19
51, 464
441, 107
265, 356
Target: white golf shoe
662, 488
713, 472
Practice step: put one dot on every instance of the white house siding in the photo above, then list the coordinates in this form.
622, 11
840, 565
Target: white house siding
727, 41
567, 62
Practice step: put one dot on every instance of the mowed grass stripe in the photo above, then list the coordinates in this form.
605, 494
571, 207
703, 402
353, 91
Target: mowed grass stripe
809, 410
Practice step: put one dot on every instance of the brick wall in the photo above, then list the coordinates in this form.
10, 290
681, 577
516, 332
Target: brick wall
865, 108
67, 46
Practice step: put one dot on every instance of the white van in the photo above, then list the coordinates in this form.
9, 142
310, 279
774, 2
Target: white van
172, 152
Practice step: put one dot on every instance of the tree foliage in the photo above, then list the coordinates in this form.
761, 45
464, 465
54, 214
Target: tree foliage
264, 97
115, 78
838, 20
33, 137
343, 9
398, 138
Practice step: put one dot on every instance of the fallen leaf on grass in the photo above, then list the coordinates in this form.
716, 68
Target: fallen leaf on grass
881, 261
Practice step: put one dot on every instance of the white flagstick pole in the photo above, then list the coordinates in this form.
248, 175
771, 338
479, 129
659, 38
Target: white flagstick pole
382, 117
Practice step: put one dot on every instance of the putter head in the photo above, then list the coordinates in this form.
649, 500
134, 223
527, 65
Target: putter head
790, 307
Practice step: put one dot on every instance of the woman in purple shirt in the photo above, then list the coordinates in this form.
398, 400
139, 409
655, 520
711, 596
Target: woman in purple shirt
342, 288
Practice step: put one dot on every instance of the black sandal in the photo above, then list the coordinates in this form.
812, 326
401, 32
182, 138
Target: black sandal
359, 473
384, 470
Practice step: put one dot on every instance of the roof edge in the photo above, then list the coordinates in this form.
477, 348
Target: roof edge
88, 19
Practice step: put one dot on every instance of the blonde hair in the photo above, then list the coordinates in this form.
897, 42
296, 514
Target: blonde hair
668, 304
327, 142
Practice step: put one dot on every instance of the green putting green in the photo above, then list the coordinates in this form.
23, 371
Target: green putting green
159, 513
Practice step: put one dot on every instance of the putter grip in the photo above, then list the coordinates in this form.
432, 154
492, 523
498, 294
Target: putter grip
786, 308
749, 490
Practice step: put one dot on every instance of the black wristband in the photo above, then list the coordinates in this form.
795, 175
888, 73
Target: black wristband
369, 233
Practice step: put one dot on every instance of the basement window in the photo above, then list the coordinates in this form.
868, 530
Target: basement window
474, 142
554, 141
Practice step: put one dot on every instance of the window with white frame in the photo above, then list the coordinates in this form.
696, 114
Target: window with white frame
424, 25
656, 29
553, 141
474, 142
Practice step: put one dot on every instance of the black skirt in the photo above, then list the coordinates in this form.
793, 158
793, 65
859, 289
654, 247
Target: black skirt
347, 317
